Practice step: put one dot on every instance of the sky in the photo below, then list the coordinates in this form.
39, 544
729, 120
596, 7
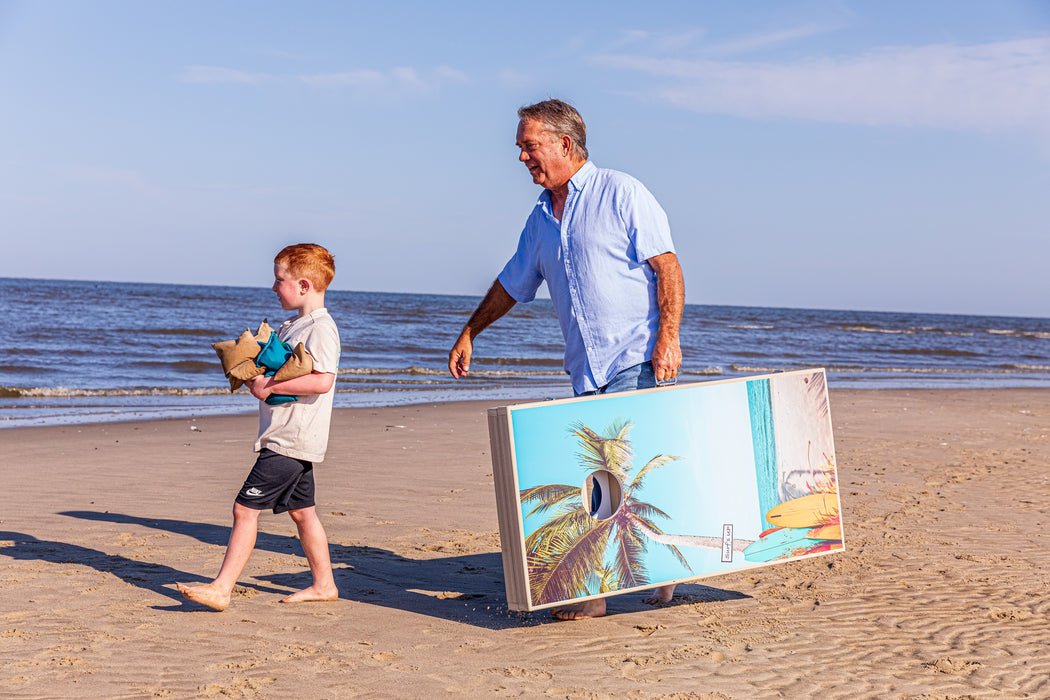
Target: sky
888, 156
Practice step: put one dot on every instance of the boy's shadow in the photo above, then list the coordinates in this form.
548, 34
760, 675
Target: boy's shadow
153, 577
466, 588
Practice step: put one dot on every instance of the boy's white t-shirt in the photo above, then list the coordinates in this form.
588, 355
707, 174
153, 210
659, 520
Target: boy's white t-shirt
299, 429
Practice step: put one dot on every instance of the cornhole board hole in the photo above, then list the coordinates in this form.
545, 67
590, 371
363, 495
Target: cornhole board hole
599, 496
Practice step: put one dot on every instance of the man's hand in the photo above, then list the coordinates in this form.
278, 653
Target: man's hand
670, 297
496, 303
667, 359
459, 355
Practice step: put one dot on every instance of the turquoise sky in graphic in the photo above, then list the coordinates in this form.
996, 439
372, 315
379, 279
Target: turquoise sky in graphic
713, 483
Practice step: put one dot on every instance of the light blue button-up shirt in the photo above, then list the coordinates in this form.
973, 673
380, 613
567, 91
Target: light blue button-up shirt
594, 263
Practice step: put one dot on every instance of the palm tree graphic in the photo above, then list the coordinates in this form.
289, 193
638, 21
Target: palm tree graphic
576, 554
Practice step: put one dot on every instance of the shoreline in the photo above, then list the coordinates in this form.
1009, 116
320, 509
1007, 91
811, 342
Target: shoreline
941, 592
191, 413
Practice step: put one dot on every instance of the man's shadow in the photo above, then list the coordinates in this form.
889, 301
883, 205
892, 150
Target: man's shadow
464, 588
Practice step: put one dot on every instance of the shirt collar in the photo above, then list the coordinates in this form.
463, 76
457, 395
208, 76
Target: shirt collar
586, 171
579, 178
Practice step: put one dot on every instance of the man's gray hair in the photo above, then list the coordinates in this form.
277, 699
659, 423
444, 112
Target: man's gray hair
561, 119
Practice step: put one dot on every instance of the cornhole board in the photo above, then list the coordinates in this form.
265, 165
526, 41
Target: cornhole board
599, 496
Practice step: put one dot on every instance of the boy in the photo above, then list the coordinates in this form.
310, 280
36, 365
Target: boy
292, 436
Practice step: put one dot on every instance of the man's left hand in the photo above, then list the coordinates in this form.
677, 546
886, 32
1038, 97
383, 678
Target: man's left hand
667, 359
670, 297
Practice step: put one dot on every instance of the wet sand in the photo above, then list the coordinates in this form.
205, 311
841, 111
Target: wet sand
943, 592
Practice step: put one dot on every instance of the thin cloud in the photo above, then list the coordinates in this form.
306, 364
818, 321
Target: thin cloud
515, 80
698, 41
219, 75
995, 86
401, 78
354, 78
447, 74
661, 42
107, 177
768, 40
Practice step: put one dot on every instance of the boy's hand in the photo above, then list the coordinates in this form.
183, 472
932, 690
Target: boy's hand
261, 387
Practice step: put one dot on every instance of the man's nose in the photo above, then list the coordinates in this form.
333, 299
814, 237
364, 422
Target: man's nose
523, 156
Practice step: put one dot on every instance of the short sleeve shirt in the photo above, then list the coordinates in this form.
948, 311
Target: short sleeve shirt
594, 262
299, 429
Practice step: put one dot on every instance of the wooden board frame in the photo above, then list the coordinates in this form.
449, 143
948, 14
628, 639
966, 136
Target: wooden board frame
749, 480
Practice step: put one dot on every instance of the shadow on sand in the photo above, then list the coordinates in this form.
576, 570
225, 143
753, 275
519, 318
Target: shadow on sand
153, 577
465, 588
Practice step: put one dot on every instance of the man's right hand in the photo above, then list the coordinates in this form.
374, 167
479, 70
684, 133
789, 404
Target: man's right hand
459, 356
496, 303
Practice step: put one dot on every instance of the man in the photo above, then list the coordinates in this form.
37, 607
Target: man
603, 245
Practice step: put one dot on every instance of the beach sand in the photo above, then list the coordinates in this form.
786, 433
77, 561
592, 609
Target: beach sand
943, 592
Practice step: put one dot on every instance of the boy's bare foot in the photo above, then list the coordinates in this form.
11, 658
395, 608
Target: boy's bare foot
580, 611
208, 594
313, 594
660, 595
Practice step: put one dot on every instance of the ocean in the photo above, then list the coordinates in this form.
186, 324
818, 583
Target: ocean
81, 351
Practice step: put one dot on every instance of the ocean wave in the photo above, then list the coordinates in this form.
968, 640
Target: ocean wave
556, 362
854, 369
443, 372
865, 328
23, 369
200, 332
1037, 335
183, 366
61, 392
911, 330
932, 352
748, 369
945, 331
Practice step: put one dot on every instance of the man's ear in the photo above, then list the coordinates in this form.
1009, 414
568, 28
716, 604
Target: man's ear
566, 145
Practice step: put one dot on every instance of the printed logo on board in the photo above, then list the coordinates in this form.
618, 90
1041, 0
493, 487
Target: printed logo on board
727, 543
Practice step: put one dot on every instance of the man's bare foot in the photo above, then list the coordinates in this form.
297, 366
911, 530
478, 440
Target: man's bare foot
208, 594
660, 595
580, 611
313, 594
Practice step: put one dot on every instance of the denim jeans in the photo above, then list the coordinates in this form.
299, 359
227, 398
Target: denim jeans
640, 376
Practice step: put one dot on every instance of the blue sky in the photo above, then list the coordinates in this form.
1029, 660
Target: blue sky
824, 154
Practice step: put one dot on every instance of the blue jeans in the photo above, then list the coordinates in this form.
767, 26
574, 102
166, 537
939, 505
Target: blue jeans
640, 376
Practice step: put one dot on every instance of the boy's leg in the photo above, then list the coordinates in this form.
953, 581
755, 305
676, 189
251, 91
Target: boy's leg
315, 546
217, 594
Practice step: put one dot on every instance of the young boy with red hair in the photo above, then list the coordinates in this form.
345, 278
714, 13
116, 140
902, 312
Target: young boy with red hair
293, 436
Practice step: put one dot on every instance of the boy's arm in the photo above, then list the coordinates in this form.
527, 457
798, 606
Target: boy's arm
313, 383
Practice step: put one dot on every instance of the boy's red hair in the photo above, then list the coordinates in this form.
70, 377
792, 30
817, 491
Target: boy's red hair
310, 261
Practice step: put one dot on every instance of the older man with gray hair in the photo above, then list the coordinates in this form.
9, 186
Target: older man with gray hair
603, 245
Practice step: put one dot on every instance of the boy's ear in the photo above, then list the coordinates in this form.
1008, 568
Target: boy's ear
304, 285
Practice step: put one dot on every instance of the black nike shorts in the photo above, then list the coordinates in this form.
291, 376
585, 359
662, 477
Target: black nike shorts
278, 482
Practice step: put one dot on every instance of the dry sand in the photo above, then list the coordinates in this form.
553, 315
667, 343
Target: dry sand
942, 592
